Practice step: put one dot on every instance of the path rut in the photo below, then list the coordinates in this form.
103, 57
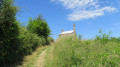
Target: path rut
41, 59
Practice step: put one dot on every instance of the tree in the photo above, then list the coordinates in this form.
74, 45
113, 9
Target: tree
39, 26
9, 30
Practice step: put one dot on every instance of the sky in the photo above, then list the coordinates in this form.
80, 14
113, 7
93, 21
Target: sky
89, 16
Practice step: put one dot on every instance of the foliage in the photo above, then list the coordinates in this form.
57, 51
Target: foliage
115, 39
70, 52
103, 37
9, 31
29, 41
39, 26
16, 41
50, 39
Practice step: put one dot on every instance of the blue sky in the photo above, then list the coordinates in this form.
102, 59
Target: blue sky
88, 15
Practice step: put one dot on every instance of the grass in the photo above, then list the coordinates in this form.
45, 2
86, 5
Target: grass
72, 52
29, 60
49, 56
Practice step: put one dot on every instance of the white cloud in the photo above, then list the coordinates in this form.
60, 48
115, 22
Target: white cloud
70, 4
85, 9
79, 15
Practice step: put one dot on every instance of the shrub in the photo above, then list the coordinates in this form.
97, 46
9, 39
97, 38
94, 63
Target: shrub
29, 41
49, 40
16, 41
103, 37
9, 31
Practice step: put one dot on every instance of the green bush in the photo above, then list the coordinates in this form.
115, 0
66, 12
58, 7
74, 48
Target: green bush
29, 41
15, 41
103, 37
49, 40
9, 31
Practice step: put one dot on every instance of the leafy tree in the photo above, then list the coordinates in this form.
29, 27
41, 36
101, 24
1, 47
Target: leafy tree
39, 26
9, 30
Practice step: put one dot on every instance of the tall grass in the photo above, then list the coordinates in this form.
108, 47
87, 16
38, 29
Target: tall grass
72, 52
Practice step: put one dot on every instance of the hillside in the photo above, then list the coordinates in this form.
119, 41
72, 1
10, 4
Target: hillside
72, 52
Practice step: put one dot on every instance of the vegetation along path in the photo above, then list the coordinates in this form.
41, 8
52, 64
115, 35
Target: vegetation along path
41, 59
44, 57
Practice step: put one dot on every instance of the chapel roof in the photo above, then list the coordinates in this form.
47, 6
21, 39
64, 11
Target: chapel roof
67, 32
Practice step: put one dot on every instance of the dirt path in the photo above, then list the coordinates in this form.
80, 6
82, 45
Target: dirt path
41, 59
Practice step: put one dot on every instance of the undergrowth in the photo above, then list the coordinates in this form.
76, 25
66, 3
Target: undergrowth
102, 51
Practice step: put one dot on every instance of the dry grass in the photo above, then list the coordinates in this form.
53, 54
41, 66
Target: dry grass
29, 61
41, 60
